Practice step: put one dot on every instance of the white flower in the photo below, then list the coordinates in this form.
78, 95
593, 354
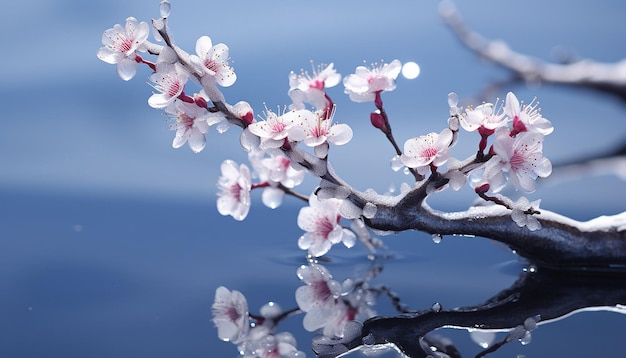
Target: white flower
320, 220
428, 149
320, 130
192, 122
275, 129
318, 298
261, 343
213, 61
234, 190
230, 315
522, 157
170, 81
482, 116
521, 215
526, 117
121, 43
274, 170
304, 88
363, 85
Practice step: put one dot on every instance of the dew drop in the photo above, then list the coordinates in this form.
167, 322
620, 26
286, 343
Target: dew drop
526, 339
453, 99
436, 307
437, 238
483, 338
164, 8
396, 163
531, 269
406, 171
369, 340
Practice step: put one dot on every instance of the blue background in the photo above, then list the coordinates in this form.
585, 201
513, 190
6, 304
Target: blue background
110, 243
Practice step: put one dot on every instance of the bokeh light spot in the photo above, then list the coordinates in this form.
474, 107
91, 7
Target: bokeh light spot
410, 70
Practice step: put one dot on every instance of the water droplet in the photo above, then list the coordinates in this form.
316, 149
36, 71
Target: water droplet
526, 339
453, 99
406, 171
437, 238
396, 163
164, 8
369, 340
483, 338
531, 269
436, 307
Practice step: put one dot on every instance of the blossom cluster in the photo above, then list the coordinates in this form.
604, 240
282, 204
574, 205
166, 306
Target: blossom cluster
284, 145
254, 336
328, 306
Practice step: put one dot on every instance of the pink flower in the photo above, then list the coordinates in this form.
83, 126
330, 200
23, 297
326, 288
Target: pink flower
521, 217
304, 88
170, 81
320, 220
363, 85
274, 170
275, 129
318, 297
234, 190
482, 116
192, 123
526, 117
261, 343
213, 61
230, 315
522, 157
320, 131
121, 43
433, 148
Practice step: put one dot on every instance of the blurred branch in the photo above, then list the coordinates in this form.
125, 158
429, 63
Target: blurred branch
609, 78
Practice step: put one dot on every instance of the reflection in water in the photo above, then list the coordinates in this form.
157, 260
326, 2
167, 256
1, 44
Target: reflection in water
543, 296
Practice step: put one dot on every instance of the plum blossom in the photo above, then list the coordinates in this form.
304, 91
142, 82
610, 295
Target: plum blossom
522, 157
484, 117
318, 297
363, 85
121, 44
275, 170
275, 129
421, 152
523, 213
192, 123
320, 130
234, 190
230, 315
304, 88
170, 81
355, 305
320, 220
213, 61
261, 343
526, 117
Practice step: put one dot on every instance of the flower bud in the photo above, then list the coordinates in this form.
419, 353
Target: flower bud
378, 120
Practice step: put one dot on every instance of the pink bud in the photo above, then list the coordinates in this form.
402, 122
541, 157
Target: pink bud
378, 120
200, 101
481, 189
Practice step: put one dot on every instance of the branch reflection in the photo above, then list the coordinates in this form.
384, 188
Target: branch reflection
544, 296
